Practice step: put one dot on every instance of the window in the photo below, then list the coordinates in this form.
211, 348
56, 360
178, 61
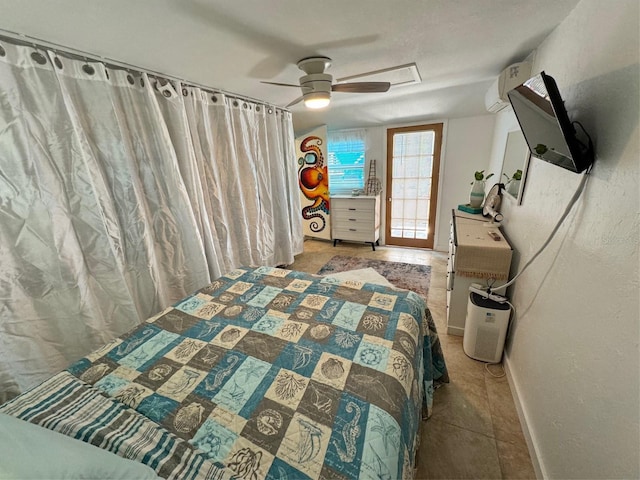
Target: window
346, 149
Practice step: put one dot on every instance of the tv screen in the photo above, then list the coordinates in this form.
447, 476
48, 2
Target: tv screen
546, 126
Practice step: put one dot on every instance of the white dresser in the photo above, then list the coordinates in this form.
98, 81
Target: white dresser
355, 219
474, 257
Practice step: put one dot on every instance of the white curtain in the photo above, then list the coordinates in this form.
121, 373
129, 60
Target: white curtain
120, 194
352, 135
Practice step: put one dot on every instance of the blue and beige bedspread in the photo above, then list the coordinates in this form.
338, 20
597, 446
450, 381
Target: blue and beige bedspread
265, 373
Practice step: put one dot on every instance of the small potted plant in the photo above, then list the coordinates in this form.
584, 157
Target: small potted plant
476, 197
513, 182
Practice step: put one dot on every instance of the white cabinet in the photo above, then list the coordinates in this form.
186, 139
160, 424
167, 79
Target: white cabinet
478, 253
355, 219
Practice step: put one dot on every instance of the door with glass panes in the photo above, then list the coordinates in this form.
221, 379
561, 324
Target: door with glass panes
413, 164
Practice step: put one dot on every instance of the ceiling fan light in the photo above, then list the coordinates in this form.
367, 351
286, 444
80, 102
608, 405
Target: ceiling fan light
317, 100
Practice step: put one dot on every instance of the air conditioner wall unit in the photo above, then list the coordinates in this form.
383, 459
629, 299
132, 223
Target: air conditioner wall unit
512, 76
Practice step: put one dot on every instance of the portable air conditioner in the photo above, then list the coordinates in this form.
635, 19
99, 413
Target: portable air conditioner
514, 75
485, 328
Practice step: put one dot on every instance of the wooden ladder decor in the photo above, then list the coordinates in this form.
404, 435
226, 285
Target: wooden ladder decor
373, 186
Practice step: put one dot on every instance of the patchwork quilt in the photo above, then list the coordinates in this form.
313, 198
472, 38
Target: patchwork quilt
264, 373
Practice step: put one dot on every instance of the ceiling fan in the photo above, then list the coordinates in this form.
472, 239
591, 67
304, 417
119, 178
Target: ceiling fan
317, 86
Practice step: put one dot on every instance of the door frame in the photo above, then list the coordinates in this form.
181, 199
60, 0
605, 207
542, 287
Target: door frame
435, 180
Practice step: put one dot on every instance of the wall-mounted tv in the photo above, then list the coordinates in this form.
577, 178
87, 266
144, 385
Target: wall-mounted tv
545, 124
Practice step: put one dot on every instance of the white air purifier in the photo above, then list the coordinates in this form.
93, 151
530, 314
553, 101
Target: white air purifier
485, 328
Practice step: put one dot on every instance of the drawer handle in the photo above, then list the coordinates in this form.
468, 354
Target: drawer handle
353, 220
352, 209
353, 230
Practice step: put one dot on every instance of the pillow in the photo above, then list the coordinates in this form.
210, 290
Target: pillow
29, 451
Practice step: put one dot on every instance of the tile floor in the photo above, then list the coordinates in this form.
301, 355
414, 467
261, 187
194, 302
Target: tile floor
474, 432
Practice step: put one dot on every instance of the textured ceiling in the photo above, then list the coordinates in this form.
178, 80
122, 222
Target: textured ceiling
459, 46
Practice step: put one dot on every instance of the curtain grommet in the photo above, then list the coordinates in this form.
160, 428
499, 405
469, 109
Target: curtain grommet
38, 58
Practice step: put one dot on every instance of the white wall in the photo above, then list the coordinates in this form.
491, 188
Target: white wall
573, 354
467, 146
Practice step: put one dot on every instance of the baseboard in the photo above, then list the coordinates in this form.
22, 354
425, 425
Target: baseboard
522, 415
457, 331
442, 248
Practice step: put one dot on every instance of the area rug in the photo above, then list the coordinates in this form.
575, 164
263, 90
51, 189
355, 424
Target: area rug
402, 275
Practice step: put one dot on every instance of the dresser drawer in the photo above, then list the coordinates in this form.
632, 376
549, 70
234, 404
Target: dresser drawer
361, 223
360, 234
348, 216
353, 204
452, 248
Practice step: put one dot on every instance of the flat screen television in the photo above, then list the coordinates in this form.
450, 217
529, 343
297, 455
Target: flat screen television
545, 124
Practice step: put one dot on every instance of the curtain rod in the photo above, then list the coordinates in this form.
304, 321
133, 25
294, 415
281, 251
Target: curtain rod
75, 54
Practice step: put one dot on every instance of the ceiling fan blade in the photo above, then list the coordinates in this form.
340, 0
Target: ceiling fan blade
361, 87
281, 84
297, 100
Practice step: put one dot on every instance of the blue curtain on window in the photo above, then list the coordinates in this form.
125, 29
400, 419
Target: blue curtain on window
346, 152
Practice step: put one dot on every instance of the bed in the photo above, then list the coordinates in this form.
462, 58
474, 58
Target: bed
264, 373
